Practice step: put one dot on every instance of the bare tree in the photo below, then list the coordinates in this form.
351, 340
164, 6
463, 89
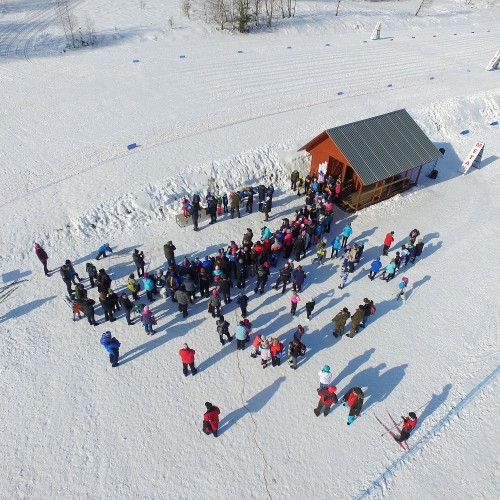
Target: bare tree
269, 9
186, 8
419, 7
90, 31
68, 21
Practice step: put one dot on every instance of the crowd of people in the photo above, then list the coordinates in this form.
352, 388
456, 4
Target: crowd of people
245, 263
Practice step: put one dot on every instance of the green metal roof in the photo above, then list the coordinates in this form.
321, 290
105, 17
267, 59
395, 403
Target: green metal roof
383, 146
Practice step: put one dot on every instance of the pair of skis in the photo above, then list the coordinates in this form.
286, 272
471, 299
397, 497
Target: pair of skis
403, 445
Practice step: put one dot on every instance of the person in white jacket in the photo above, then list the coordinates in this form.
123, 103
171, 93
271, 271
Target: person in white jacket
325, 377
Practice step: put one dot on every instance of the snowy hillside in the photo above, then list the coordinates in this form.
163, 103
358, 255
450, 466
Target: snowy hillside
239, 107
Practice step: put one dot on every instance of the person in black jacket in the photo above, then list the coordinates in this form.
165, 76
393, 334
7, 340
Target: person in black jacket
195, 209
241, 270
353, 398
225, 285
103, 281
223, 329
127, 306
114, 299
107, 306
66, 277
262, 275
295, 349
284, 277
298, 278
168, 250
204, 279
139, 262
249, 203
242, 301
87, 308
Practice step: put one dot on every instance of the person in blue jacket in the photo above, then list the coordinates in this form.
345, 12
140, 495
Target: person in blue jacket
149, 286
346, 232
241, 336
103, 249
390, 271
375, 267
112, 345
335, 247
266, 233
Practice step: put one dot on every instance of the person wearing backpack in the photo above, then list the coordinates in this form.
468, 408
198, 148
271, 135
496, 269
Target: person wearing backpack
327, 398
369, 309
403, 284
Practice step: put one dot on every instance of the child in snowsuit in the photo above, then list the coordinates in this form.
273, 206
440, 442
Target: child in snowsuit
211, 419
344, 276
325, 377
276, 350
265, 353
409, 424
353, 398
327, 398
257, 341
294, 299
402, 289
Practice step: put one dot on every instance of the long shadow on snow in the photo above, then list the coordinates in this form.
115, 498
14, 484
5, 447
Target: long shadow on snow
25, 308
378, 385
353, 366
14, 275
253, 405
434, 403
158, 341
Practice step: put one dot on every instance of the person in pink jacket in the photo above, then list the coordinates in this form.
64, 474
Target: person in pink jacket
294, 299
257, 341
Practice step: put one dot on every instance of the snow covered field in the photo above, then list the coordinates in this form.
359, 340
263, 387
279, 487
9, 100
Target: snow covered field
71, 426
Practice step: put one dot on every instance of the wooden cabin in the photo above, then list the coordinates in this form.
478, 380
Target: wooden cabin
376, 158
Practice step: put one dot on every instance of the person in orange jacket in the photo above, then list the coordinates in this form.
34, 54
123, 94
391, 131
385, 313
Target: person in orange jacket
211, 419
257, 341
327, 398
276, 349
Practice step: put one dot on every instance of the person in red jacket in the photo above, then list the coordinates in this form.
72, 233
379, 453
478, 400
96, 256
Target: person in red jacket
389, 239
353, 398
327, 398
211, 419
409, 424
187, 357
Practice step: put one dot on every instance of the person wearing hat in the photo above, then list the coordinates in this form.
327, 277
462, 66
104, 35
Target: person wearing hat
42, 257
211, 419
325, 377
388, 241
148, 320
187, 357
127, 306
235, 204
262, 276
356, 320
112, 345
409, 424
149, 286
327, 398
353, 398
368, 307
214, 303
242, 301
182, 298
340, 319
195, 209
138, 258
241, 335
310, 303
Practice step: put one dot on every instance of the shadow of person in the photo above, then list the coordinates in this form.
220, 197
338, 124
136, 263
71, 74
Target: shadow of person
378, 385
353, 365
253, 405
417, 284
26, 308
434, 403
157, 341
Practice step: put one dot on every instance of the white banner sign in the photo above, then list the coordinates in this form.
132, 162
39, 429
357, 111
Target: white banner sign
474, 157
